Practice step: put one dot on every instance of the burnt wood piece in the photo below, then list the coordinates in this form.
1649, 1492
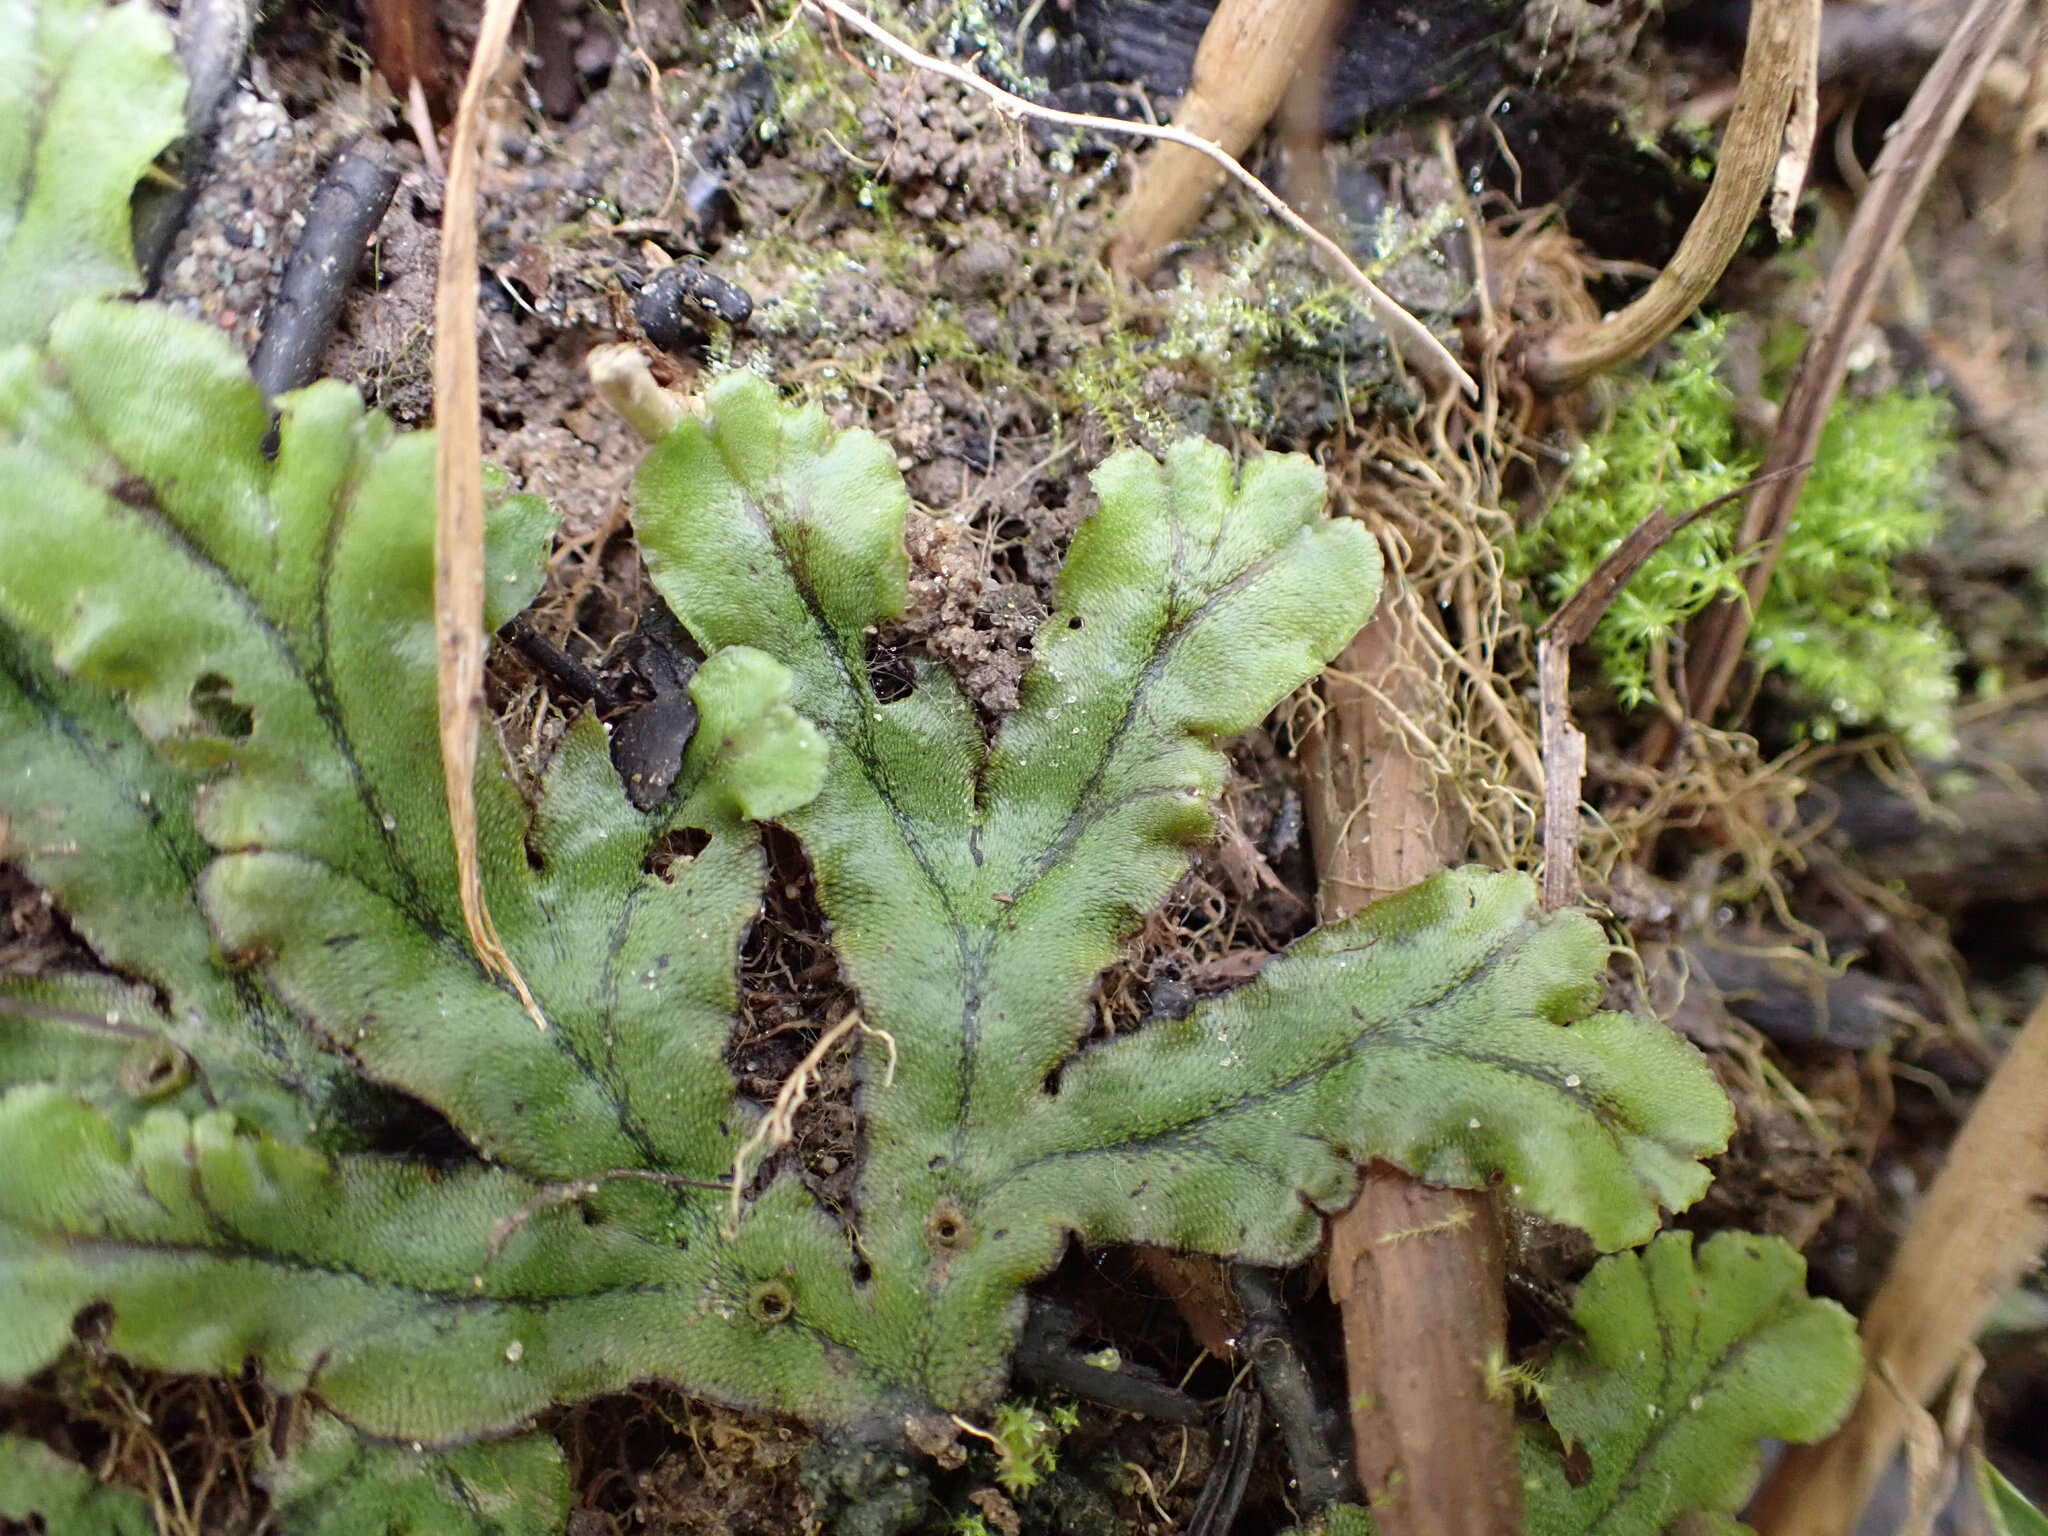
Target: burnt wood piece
1046, 1357
672, 305
649, 740
644, 698
1223, 1492
346, 209
583, 682
727, 130
1792, 1000
1391, 55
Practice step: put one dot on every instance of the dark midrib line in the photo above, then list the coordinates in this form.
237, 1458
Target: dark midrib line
1286, 1087
631, 1123
608, 972
327, 699
875, 1366
50, 87
457, 1489
53, 714
1187, 1128
447, 943
735, 1277
1667, 1419
1084, 814
617, 1085
231, 1246
972, 956
317, 677
232, 1249
1169, 639
864, 752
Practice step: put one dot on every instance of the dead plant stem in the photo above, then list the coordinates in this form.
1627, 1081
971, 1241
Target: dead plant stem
1897, 183
459, 499
1982, 1223
1564, 773
1765, 149
1422, 1313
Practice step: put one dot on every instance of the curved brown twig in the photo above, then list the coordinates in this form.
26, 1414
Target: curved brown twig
1769, 137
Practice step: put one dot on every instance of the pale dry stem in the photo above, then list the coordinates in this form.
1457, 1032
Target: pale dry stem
1981, 1225
459, 500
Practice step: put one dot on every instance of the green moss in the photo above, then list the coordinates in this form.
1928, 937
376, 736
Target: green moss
1856, 647
811, 96
1255, 338
1027, 1441
1265, 343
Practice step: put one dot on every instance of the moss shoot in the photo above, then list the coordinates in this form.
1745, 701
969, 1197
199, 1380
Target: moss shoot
1855, 646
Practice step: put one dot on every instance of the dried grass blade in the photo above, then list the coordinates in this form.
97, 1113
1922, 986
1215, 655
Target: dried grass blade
459, 497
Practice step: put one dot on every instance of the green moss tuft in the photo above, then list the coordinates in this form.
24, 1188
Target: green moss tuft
1857, 649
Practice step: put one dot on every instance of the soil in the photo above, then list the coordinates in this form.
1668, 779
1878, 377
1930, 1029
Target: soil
930, 271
